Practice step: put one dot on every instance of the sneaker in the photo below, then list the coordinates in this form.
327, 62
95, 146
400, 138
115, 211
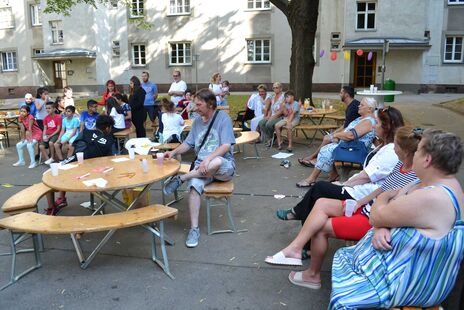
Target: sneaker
193, 237
61, 202
19, 163
51, 211
48, 161
32, 165
171, 185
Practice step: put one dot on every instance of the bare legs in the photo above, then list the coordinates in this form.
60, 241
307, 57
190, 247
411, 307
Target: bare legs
278, 131
311, 158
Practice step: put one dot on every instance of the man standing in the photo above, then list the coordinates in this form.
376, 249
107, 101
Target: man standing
177, 89
151, 90
214, 160
351, 113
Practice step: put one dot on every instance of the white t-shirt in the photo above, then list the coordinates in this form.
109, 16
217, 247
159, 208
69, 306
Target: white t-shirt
68, 102
43, 112
257, 104
177, 86
172, 124
216, 88
118, 119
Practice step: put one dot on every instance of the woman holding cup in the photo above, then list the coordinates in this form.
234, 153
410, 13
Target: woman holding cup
344, 219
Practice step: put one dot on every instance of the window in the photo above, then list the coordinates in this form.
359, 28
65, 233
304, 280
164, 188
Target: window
6, 18
9, 62
56, 27
37, 51
335, 41
259, 51
36, 15
179, 7
180, 53
453, 49
138, 55
453, 2
116, 49
365, 16
136, 9
259, 4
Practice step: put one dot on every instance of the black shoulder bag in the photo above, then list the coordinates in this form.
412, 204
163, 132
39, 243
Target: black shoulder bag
192, 165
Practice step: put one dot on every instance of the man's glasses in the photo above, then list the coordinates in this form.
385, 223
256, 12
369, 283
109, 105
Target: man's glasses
176, 75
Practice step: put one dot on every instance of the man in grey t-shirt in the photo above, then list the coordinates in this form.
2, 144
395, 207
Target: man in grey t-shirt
215, 160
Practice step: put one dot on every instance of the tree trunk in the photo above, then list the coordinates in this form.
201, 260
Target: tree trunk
302, 18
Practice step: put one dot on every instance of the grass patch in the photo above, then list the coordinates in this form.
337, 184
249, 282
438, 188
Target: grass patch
456, 105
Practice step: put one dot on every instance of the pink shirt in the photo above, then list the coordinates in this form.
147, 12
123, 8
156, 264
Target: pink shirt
36, 132
52, 123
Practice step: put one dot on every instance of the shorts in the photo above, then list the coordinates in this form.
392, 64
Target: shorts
66, 136
283, 122
225, 173
50, 139
351, 228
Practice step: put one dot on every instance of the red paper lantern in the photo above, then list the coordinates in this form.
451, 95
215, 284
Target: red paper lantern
359, 52
333, 56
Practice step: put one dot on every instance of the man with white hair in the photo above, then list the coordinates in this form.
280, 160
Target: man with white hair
29, 101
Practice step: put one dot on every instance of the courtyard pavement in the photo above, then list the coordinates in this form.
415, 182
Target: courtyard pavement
225, 271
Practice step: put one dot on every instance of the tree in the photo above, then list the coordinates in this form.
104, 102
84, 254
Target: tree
302, 18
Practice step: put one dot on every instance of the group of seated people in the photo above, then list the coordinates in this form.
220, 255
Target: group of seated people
407, 216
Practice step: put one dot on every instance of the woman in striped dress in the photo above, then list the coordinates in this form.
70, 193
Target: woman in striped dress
327, 218
412, 255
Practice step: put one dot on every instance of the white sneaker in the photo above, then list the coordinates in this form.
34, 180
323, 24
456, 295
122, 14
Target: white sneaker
48, 161
19, 163
32, 165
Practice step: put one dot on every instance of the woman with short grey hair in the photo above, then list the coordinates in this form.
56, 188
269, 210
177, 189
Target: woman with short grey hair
273, 113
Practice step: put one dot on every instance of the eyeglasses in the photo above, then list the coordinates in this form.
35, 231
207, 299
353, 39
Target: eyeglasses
417, 132
176, 75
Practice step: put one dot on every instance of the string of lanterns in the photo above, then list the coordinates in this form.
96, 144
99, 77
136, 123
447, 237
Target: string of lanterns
346, 55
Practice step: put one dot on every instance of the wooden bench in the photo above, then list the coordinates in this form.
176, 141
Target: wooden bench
122, 135
339, 119
218, 190
345, 168
34, 223
248, 137
25, 200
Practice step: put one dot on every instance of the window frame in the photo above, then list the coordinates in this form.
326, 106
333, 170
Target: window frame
12, 24
455, 2
177, 43
254, 8
15, 60
37, 51
366, 16
133, 64
170, 13
139, 3
254, 61
57, 30
35, 11
453, 52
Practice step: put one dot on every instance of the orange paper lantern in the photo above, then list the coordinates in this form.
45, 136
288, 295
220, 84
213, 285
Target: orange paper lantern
333, 56
359, 52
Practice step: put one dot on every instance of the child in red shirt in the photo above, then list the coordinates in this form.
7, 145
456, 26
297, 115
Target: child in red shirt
52, 128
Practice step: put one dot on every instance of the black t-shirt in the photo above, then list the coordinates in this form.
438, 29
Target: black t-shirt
94, 143
351, 112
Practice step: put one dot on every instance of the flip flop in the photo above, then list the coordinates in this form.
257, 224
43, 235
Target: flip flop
297, 279
305, 163
304, 183
289, 150
280, 259
283, 214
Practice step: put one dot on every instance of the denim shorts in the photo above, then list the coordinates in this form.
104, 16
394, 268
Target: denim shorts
225, 173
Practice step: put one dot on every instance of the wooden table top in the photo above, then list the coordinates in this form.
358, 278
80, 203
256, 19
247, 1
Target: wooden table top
317, 112
126, 174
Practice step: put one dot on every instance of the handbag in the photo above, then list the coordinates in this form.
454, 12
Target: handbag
192, 165
354, 151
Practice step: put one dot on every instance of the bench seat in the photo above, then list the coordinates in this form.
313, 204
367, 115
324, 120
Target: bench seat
315, 127
26, 199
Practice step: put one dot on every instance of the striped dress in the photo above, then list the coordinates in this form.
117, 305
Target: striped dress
418, 271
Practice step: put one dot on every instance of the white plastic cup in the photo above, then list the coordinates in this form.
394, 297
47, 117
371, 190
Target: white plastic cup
131, 153
331, 107
350, 204
144, 165
80, 157
55, 169
160, 158
375, 89
371, 88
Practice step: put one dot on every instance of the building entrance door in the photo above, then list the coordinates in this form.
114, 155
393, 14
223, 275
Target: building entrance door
364, 70
59, 74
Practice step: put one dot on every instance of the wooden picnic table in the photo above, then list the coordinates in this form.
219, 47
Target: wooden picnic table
316, 117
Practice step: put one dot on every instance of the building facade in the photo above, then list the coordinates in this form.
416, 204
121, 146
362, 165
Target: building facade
248, 41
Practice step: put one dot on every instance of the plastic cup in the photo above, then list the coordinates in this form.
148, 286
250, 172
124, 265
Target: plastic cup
80, 157
144, 165
371, 88
160, 158
131, 153
375, 89
54, 168
331, 107
350, 204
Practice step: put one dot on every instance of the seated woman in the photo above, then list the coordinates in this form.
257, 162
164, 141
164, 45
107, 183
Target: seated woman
379, 164
363, 126
327, 219
416, 246
273, 113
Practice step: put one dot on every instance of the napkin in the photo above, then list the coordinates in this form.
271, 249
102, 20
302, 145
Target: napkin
99, 182
68, 166
121, 159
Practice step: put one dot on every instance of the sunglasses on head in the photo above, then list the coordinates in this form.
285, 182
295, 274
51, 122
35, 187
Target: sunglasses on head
417, 132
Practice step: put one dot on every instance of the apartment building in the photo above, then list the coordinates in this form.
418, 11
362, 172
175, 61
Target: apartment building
248, 41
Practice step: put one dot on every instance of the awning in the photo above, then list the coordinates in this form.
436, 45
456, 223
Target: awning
65, 53
395, 43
